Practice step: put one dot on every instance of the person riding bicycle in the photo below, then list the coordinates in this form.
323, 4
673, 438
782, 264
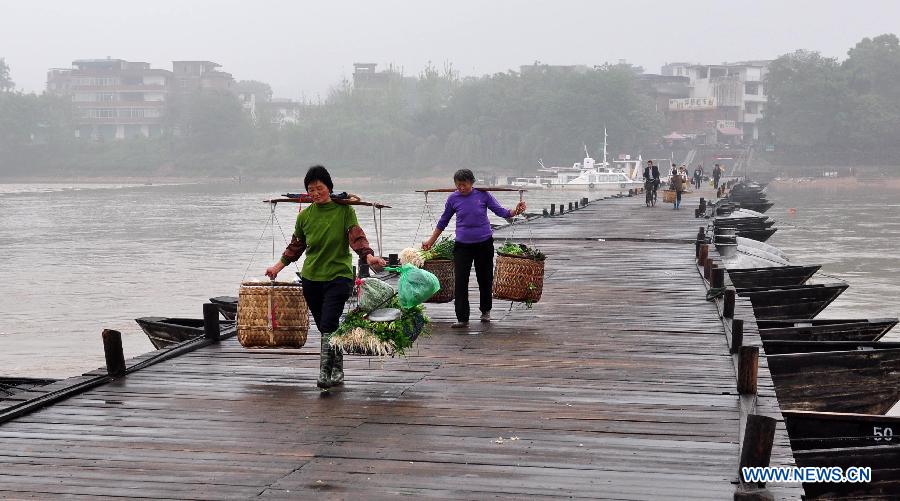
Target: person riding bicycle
651, 180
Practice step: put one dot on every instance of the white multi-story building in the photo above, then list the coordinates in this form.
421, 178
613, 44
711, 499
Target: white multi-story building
737, 89
113, 98
117, 99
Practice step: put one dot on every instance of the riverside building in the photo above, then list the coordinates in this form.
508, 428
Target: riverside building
118, 99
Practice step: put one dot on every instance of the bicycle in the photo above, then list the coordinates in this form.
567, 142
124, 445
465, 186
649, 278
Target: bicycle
650, 188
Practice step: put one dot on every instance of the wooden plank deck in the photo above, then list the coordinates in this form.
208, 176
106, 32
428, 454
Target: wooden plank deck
617, 385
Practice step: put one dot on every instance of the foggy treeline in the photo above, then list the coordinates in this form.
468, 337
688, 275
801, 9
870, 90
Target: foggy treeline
820, 110
434, 119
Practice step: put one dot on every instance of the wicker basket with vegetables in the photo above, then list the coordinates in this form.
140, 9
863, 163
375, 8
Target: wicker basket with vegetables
519, 273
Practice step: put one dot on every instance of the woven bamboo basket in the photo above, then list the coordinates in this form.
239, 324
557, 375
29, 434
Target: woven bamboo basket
443, 270
668, 196
272, 315
518, 279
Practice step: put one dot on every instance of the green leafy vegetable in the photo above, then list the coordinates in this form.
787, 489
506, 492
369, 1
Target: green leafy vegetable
521, 250
443, 249
393, 334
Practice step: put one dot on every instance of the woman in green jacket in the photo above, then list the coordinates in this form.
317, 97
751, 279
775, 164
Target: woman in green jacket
326, 231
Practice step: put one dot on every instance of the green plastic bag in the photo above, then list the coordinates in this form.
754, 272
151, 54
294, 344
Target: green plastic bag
415, 286
374, 293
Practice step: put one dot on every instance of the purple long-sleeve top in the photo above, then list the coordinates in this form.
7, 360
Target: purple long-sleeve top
472, 225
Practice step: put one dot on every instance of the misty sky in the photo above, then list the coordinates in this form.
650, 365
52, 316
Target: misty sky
302, 48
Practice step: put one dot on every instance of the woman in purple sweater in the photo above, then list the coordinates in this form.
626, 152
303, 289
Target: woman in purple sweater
474, 242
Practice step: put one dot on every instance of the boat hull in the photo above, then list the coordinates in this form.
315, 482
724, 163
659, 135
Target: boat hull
756, 244
775, 276
227, 306
865, 382
756, 234
598, 187
826, 430
164, 331
883, 459
782, 347
859, 330
757, 206
803, 301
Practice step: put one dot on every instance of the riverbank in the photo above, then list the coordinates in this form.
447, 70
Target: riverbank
848, 183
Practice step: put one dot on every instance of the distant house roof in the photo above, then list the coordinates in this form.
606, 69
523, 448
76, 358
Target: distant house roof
730, 131
653, 77
202, 62
756, 64
96, 61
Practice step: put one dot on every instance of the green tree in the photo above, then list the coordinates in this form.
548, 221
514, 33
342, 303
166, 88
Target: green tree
262, 90
209, 121
806, 92
6, 84
872, 117
820, 111
873, 67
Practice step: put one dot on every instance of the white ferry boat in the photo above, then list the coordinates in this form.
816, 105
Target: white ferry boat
588, 175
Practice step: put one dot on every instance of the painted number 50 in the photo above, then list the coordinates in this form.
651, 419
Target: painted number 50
883, 433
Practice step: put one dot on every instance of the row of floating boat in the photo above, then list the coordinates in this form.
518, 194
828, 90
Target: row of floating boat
166, 331
834, 378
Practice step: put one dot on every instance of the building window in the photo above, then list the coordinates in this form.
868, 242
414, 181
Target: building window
103, 81
751, 108
131, 113
100, 113
751, 88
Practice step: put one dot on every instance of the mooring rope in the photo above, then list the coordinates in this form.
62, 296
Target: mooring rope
715, 292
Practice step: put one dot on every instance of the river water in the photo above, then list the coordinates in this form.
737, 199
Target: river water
852, 229
78, 258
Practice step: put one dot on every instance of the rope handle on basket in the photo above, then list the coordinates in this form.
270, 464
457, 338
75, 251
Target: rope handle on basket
530, 229
427, 213
272, 221
525, 221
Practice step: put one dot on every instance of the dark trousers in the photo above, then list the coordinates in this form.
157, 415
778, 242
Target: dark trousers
677, 198
697, 182
482, 254
326, 301
716, 182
